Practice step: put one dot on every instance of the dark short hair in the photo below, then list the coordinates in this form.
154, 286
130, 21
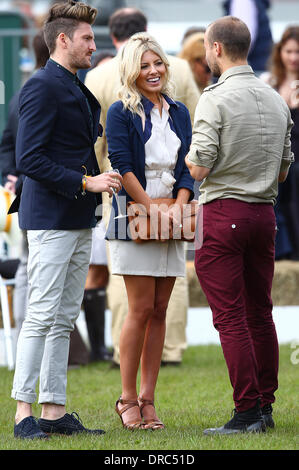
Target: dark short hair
104, 54
65, 18
125, 22
233, 34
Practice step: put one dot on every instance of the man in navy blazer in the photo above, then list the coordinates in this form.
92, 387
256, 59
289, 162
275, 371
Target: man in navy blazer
58, 126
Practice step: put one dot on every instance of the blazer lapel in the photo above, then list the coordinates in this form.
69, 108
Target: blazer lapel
136, 119
74, 89
175, 123
96, 112
140, 148
82, 101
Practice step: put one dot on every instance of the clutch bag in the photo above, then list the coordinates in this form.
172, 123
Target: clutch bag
141, 223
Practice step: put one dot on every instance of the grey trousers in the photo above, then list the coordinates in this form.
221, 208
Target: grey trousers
57, 268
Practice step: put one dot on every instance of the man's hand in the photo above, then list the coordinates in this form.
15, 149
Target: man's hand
282, 176
199, 173
104, 182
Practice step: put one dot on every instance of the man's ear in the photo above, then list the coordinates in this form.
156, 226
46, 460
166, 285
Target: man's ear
218, 48
62, 40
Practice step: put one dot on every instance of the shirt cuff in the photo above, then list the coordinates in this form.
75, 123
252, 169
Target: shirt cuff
199, 159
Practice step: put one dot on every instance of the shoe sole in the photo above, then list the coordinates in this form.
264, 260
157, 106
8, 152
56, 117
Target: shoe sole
32, 437
72, 433
269, 423
253, 428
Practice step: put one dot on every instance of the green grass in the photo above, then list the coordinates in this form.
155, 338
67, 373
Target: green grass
189, 398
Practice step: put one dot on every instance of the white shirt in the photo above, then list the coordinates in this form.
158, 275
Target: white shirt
161, 153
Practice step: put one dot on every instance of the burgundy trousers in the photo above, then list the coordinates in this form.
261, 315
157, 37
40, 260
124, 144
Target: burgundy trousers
235, 268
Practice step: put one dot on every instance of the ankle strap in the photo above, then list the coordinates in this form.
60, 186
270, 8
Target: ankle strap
127, 402
145, 402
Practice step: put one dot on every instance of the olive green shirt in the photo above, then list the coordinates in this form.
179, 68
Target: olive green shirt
242, 133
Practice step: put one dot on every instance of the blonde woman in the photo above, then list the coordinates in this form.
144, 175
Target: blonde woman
148, 137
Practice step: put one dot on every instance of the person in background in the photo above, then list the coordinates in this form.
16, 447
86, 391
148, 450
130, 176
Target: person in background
235, 263
104, 83
192, 30
101, 57
254, 13
193, 51
152, 167
94, 300
283, 76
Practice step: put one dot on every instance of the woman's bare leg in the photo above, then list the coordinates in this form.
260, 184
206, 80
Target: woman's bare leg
153, 344
141, 298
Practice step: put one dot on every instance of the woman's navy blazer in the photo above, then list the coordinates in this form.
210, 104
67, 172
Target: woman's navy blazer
55, 143
126, 149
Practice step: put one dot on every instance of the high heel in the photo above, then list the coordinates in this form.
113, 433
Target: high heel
149, 423
130, 404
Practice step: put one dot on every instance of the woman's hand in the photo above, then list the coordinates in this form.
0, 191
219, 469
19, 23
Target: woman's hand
165, 221
161, 223
175, 216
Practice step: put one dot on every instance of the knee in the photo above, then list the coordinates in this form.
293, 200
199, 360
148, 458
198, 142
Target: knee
143, 313
41, 325
159, 313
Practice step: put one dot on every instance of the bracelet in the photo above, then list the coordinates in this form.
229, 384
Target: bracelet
83, 185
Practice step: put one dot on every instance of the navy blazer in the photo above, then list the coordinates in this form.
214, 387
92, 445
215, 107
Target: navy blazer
126, 147
55, 142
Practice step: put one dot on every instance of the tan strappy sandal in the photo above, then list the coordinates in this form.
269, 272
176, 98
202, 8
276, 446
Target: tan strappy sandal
149, 423
130, 404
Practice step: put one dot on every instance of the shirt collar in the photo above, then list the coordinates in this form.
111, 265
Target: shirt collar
66, 71
237, 70
148, 105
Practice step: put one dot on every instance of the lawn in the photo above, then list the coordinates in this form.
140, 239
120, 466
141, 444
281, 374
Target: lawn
189, 398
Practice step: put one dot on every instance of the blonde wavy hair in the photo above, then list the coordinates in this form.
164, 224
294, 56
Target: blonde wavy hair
130, 67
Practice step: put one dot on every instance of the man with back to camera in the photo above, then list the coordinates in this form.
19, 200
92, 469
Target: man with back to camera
58, 125
240, 149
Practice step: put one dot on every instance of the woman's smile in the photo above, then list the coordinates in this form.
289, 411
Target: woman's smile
151, 77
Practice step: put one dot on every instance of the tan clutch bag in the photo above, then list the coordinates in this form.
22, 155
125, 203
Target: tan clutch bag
141, 223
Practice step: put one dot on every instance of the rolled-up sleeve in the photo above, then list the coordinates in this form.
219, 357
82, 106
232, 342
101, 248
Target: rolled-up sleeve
288, 156
204, 148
